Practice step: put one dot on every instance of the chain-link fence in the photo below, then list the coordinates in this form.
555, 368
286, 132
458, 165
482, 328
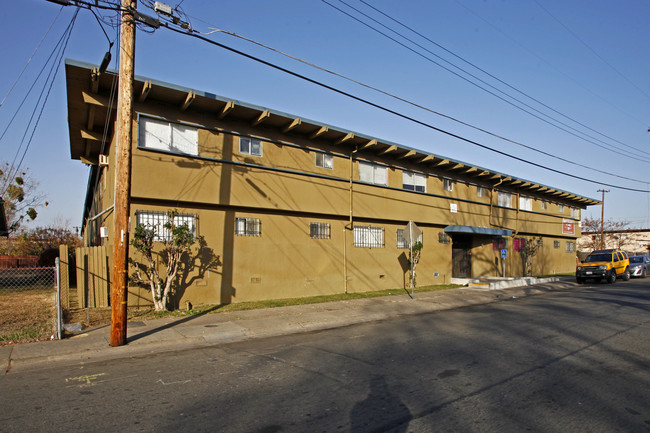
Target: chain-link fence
29, 304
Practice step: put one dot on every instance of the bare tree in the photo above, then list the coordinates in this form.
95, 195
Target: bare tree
529, 251
612, 234
21, 197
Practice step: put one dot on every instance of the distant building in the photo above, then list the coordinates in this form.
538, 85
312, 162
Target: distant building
632, 241
295, 207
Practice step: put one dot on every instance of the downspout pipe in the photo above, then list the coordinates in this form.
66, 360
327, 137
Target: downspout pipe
350, 225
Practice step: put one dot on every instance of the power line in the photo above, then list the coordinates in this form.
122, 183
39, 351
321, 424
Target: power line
498, 79
31, 57
415, 104
388, 110
602, 59
54, 69
56, 49
484, 82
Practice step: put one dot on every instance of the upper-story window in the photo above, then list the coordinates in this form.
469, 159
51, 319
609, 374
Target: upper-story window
480, 191
414, 181
505, 199
561, 208
543, 204
250, 146
447, 184
163, 135
373, 173
324, 160
525, 203
575, 213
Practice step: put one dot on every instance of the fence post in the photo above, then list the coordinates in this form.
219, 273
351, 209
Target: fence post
57, 275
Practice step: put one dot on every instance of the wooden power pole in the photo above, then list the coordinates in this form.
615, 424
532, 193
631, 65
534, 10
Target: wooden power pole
602, 219
121, 211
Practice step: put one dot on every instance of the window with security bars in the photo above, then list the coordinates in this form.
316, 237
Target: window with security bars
556, 244
444, 238
157, 221
570, 247
368, 237
319, 230
401, 240
248, 227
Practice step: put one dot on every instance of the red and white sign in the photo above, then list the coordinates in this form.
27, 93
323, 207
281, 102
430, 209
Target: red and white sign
568, 227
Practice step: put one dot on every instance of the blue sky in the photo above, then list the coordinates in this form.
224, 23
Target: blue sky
587, 60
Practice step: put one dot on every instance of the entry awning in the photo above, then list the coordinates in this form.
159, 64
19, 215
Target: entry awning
478, 230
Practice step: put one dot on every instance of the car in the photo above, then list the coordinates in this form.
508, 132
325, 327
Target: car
639, 266
607, 264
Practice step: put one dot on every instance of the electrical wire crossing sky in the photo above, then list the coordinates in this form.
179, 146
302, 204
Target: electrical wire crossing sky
555, 92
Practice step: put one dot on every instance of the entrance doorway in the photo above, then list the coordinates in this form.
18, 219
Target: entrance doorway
461, 257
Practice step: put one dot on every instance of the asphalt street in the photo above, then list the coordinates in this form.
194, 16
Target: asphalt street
574, 360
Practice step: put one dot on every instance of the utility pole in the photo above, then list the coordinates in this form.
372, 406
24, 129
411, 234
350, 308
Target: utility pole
602, 219
121, 212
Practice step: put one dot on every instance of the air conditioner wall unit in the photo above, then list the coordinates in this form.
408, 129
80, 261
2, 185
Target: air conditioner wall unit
103, 160
103, 232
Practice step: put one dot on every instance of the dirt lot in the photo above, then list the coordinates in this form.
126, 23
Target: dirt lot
26, 315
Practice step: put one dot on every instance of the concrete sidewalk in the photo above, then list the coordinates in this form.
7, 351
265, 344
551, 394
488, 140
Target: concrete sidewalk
159, 335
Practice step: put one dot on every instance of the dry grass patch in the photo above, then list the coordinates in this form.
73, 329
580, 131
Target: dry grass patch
26, 315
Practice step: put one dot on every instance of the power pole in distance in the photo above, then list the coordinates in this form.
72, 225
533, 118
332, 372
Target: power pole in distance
602, 219
121, 212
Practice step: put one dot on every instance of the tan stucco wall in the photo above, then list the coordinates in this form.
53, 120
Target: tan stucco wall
284, 261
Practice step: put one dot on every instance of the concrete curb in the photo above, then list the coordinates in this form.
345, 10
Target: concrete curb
165, 335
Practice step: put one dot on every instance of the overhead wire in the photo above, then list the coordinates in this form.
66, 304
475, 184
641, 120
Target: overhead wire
57, 48
497, 78
214, 30
575, 134
31, 57
548, 63
47, 95
594, 52
386, 109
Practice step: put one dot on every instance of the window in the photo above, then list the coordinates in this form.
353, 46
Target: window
505, 199
447, 184
250, 146
368, 237
157, 221
525, 203
248, 227
575, 213
319, 230
373, 173
556, 244
401, 240
172, 137
324, 160
443, 238
480, 191
414, 181
570, 247
561, 208
543, 204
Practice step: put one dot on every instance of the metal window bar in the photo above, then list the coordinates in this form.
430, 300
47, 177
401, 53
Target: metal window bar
368, 237
248, 226
157, 221
319, 230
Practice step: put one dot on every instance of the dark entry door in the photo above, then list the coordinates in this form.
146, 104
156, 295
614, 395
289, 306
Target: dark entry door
461, 257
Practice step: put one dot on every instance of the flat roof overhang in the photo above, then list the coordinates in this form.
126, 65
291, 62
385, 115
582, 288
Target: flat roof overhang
486, 231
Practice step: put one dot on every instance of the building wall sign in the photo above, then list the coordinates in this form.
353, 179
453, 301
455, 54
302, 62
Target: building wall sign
568, 227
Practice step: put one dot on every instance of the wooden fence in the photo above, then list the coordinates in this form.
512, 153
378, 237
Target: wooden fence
93, 284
